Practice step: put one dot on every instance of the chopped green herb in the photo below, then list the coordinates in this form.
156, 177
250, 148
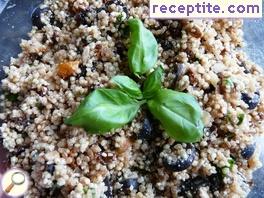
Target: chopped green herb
225, 169
119, 18
230, 136
240, 118
229, 82
197, 59
231, 162
91, 192
40, 106
85, 190
11, 97
229, 117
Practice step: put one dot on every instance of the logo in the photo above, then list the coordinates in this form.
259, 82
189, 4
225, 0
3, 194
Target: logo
15, 182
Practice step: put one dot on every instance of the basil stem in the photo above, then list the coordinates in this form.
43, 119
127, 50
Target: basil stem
153, 83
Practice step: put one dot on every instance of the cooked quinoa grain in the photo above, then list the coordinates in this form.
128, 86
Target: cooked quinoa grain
77, 46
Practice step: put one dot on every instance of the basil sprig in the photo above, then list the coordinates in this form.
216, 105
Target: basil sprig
107, 109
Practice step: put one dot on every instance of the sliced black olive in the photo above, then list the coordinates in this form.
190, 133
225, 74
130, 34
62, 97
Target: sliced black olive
55, 191
142, 171
150, 128
175, 32
117, 2
93, 68
110, 33
55, 22
213, 127
83, 71
22, 121
216, 181
146, 132
192, 185
121, 49
191, 56
98, 10
36, 17
179, 164
178, 73
109, 192
129, 184
166, 45
243, 64
252, 102
50, 168
246, 71
210, 89
19, 151
248, 151
82, 17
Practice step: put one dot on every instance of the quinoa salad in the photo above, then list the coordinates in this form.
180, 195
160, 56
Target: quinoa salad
76, 47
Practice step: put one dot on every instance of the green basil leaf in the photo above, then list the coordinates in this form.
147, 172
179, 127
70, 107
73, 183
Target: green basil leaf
231, 162
104, 110
11, 97
143, 50
240, 118
228, 117
229, 82
179, 114
153, 83
127, 85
